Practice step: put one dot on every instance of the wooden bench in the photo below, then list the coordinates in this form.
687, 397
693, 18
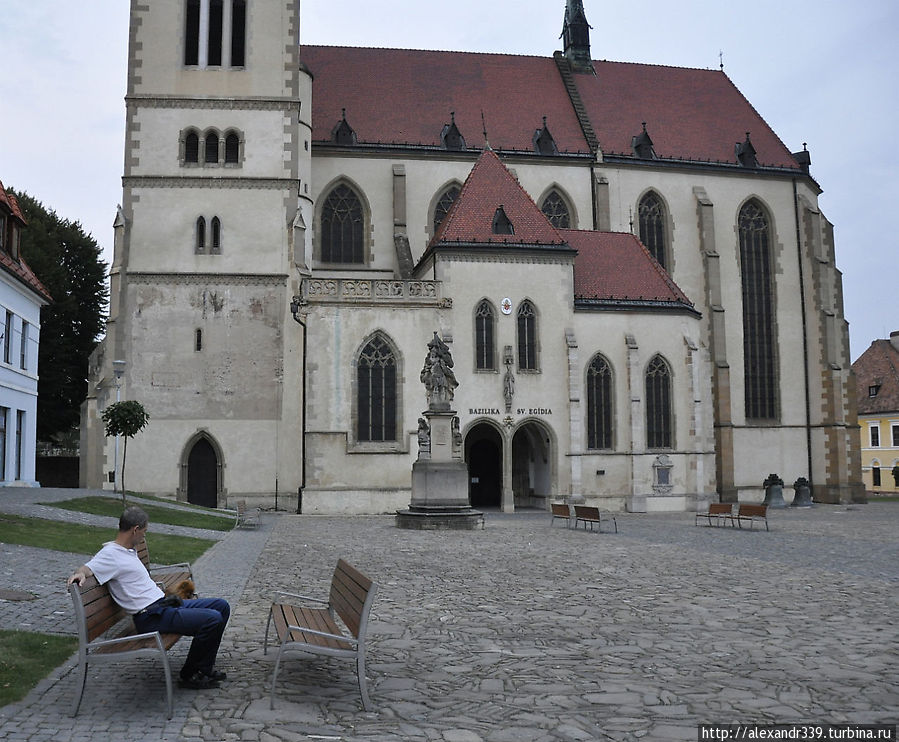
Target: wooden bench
560, 510
751, 514
107, 634
315, 630
167, 576
719, 513
587, 514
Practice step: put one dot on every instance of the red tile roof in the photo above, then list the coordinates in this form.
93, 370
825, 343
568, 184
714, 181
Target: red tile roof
398, 96
404, 96
19, 268
616, 266
690, 114
489, 186
878, 365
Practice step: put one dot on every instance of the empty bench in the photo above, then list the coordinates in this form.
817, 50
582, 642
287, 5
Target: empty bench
315, 630
751, 514
560, 510
588, 514
718, 514
107, 634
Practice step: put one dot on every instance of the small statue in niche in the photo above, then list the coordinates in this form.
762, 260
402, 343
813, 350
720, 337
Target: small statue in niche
509, 388
457, 434
424, 436
437, 374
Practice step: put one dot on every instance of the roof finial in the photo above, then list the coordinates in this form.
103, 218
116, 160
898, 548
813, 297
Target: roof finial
484, 125
721, 60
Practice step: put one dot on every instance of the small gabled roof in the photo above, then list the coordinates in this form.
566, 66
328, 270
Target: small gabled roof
878, 366
9, 200
489, 188
615, 267
19, 269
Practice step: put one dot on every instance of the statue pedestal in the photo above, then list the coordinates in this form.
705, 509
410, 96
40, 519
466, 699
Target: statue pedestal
440, 482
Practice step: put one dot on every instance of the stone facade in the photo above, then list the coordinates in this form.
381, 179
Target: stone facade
272, 390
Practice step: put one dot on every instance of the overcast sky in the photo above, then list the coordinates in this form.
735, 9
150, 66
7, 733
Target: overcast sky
822, 72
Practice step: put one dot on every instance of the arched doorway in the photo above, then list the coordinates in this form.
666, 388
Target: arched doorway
532, 466
202, 474
484, 456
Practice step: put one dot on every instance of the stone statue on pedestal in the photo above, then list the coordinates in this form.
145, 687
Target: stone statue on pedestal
437, 374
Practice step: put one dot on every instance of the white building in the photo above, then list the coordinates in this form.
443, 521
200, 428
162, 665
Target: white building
21, 297
266, 183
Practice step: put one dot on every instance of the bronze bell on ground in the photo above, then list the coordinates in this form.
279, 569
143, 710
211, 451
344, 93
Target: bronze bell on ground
774, 492
803, 494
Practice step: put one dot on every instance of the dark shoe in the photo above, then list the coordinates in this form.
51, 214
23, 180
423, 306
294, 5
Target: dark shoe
199, 681
216, 675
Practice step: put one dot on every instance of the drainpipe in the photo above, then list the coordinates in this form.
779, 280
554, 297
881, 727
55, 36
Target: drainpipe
808, 403
295, 305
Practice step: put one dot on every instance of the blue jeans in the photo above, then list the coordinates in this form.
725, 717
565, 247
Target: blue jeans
204, 619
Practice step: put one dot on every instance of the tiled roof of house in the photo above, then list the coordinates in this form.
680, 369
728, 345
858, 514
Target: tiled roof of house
398, 97
615, 266
490, 186
19, 268
878, 366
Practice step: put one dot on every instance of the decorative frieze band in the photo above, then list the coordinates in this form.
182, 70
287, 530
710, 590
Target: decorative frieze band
154, 181
378, 291
224, 104
207, 279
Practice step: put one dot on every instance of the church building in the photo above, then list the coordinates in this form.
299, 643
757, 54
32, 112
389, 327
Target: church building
627, 266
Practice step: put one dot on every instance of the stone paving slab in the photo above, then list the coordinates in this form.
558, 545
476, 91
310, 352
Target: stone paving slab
526, 631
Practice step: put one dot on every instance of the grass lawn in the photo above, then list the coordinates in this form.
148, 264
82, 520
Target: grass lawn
74, 537
26, 658
111, 506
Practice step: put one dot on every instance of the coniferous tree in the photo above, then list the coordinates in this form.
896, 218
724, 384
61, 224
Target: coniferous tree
68, 263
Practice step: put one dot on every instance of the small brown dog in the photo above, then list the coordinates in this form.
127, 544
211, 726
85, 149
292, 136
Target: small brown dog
186, 590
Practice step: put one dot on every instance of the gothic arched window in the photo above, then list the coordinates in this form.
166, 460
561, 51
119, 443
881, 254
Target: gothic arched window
216, 227
192, 147
556, 210
759, 358
444, 203
599, 404
484, 327
527, 336
659, 429
201, 236
651, 212
342, 227
376, 391
211, 154
232, 148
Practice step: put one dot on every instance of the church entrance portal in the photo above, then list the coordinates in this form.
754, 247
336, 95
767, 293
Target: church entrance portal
532, 476
202, 475
484, 456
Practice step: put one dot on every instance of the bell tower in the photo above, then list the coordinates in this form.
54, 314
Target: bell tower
209, 242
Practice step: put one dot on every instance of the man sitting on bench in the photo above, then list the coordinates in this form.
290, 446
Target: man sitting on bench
133, 589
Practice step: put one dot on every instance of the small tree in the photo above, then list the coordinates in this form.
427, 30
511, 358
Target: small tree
126, 419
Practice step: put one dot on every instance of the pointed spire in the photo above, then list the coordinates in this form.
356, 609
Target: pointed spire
576, 36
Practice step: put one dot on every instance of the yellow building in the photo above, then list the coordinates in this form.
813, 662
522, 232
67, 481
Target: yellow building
877, 378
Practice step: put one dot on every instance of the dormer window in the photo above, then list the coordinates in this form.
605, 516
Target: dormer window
3, 245
544, 143
343, 133
642, 145
451, 137
745, 153
501, 223
873, 390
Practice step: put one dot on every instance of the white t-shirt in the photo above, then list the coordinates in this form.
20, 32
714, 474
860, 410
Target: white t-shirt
129, 582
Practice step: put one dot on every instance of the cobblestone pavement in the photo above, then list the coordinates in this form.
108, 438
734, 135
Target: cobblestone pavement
527, 631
